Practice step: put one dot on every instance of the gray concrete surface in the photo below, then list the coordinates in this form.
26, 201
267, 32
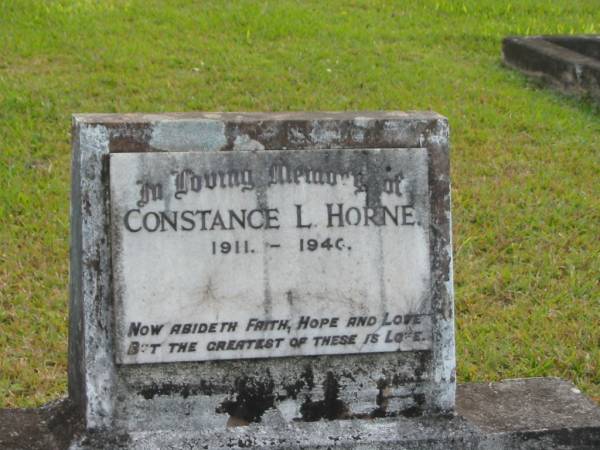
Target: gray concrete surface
531, 414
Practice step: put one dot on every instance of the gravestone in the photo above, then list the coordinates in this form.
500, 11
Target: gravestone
274, 281
231, 269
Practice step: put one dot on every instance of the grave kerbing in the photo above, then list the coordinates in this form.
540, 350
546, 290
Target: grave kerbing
569, 63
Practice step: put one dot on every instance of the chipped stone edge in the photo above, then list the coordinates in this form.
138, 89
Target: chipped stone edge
92, 373
444, 359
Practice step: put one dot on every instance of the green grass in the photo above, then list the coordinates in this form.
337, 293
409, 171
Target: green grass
525, 161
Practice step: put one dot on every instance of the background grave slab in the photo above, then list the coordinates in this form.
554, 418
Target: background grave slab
569, 63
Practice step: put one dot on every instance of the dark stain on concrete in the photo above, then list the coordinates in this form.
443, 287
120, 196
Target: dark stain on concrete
252, 398
130, 138
330, 408
168, 389
305, 381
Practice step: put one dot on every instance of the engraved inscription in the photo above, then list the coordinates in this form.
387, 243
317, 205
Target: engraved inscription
270, 253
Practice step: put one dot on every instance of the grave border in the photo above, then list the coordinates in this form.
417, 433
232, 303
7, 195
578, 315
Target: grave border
564, 62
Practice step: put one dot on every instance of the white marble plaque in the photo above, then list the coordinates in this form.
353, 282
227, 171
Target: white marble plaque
259, 254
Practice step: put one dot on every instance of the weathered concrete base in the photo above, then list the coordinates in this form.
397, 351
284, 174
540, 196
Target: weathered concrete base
536, 413
568, 63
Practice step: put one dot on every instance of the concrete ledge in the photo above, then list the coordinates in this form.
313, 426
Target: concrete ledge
536, 413
568, 63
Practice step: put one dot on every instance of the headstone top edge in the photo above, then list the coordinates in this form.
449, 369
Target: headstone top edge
111, 119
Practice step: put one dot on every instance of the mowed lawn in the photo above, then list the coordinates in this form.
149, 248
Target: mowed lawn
525, 160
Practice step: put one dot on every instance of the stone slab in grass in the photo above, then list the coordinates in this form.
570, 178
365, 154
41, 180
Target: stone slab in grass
569, 63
